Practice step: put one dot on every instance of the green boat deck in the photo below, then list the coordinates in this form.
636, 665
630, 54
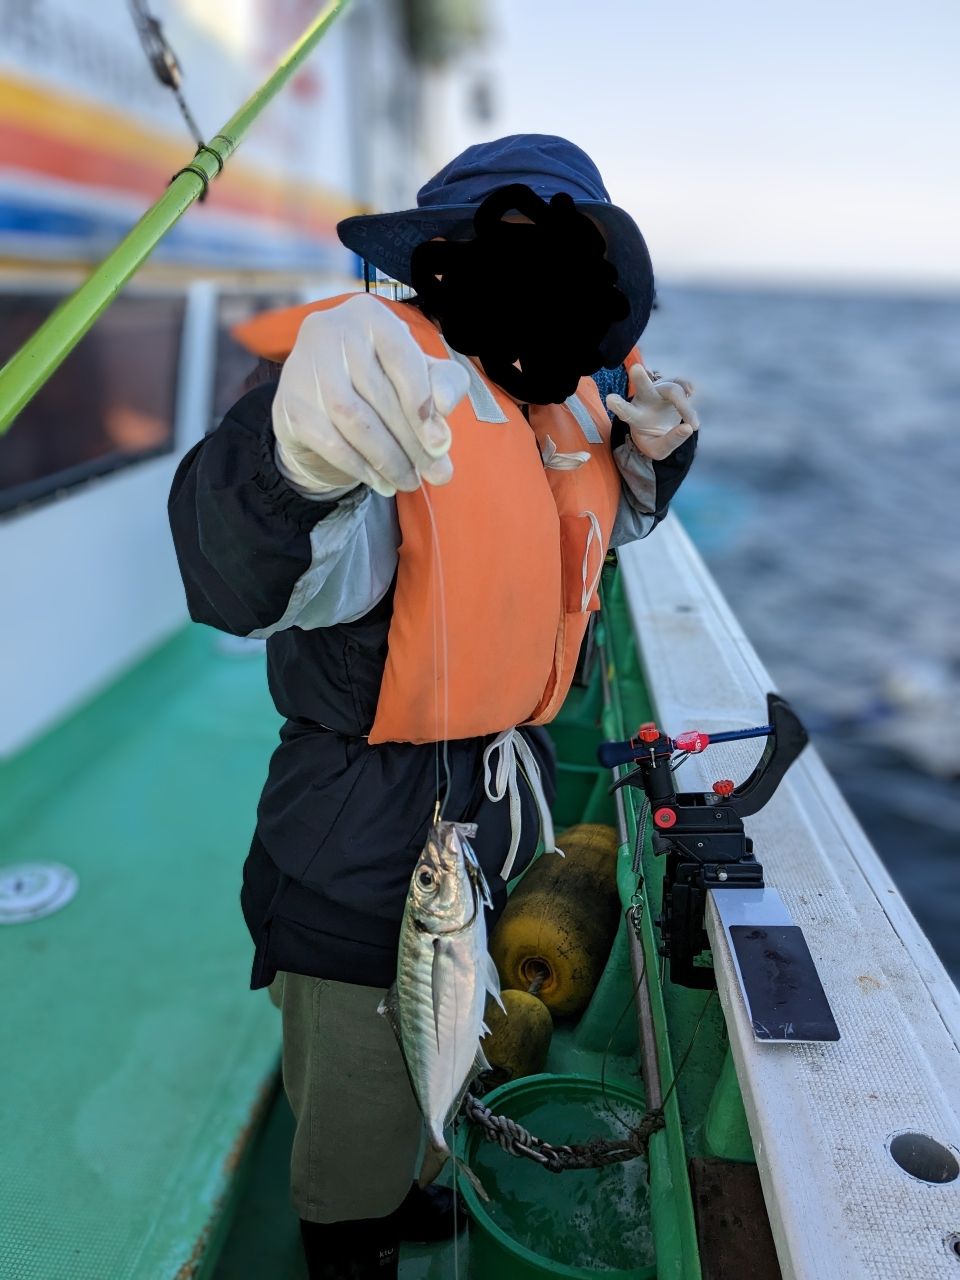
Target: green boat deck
135, 1059
140, 1073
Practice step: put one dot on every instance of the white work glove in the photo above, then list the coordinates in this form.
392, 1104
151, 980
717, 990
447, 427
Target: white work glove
359, 402
659, 416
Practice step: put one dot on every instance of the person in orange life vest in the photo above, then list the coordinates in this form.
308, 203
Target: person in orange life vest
302, 519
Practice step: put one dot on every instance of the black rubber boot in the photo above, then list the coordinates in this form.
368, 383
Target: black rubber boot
367, 1249
427, 1215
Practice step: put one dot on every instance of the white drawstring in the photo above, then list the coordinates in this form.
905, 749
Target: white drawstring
515, 753
557, 461
595, 534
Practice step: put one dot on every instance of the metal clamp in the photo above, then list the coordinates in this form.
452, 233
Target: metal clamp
701, 834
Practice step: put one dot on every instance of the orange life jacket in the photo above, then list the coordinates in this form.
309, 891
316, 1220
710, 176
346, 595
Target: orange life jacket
504, 607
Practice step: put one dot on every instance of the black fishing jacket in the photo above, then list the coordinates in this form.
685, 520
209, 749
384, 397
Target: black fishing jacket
340, 823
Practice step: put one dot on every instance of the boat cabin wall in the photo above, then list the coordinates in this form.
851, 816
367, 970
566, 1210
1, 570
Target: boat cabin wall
88, 576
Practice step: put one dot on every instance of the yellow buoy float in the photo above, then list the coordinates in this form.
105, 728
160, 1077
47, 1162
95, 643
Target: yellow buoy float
559, 924
519, 1039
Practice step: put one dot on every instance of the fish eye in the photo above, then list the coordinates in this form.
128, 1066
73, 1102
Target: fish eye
426, 878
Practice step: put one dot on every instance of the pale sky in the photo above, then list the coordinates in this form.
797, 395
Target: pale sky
816, 141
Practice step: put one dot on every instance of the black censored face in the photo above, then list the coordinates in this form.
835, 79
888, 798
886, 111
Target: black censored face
532, 300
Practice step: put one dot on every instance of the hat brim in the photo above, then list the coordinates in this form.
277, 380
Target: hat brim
387, 240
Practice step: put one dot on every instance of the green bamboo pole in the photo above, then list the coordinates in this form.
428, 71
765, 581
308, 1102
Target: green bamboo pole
29, 368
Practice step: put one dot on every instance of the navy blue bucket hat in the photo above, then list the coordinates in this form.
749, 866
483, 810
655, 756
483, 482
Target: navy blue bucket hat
547, 164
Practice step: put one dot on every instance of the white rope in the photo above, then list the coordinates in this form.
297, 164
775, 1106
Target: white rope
557, 461
515, 754
595, 535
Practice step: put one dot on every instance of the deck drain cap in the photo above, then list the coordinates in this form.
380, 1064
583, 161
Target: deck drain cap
924, 1157
32, 890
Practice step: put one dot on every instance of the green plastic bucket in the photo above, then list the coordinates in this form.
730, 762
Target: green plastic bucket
580, 1224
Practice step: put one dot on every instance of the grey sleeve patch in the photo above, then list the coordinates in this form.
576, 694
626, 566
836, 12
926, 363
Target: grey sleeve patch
639, 477
636, 515
353, 560
629, 525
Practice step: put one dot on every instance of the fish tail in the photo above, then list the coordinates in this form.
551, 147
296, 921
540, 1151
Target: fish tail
433, 1162
435, 1157
466, 1172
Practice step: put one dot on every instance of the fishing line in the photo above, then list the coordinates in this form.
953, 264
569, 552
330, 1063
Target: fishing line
631, 915
163, 61
676, 1075
603, 1061
683, 1060
440, 599
453, 1145
456, 1224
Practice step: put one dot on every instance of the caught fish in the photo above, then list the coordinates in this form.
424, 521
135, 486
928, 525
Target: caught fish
444, 973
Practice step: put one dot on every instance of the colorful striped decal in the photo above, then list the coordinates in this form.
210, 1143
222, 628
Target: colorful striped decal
47, 133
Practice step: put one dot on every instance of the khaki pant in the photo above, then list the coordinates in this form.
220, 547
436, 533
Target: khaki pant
358, 1125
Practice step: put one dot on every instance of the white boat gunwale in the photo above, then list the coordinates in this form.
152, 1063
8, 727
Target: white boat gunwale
821, 1115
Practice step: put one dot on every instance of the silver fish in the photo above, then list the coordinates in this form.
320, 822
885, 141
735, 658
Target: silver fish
444, 973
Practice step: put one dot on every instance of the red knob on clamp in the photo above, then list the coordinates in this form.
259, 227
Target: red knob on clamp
648, 732
724, 787
693, 741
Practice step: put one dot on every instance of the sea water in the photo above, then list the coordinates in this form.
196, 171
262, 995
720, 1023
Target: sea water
825, 498
598, 1219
